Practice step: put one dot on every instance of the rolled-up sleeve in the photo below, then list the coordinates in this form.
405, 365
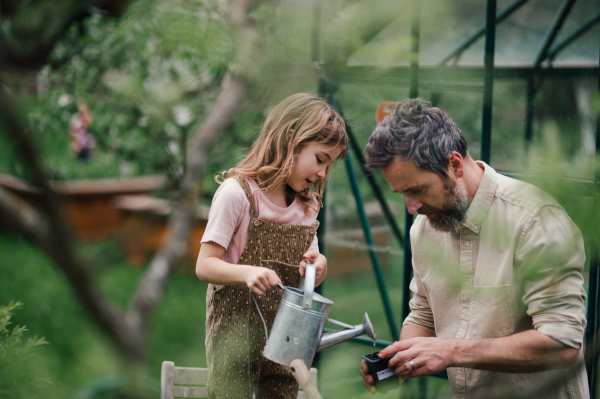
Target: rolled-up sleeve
549, 261
420, 312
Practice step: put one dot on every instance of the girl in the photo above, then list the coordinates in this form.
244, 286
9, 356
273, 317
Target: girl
261, 232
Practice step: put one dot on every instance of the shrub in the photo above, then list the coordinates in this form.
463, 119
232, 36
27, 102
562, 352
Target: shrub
18, 370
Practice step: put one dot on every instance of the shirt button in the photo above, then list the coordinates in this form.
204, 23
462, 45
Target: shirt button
256, 222
312, 231
464, 323
217, 296
466, 243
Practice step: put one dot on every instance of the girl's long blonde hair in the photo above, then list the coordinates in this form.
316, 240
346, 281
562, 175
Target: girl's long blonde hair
295, 122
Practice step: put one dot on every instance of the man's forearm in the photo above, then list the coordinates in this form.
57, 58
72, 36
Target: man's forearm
528, 351
412, 331
525, 352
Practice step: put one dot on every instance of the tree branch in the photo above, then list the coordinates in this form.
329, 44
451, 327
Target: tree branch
218, 118
22, 218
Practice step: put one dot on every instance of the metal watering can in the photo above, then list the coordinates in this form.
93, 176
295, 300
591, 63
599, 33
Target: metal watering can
297, 331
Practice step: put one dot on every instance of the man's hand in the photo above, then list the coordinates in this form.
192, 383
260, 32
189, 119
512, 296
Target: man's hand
428, 355
408, 333
369, 380
320, 262
261, 279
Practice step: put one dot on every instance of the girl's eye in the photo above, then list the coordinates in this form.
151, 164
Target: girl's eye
319, 160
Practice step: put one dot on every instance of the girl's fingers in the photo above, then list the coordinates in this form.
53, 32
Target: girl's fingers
273, 279
310, 255
260, 287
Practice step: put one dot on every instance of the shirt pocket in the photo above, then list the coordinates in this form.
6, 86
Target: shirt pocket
492, 312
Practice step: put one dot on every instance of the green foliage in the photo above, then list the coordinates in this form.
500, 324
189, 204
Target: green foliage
18, 368
28, 28
549, 168
79, 357
147, 78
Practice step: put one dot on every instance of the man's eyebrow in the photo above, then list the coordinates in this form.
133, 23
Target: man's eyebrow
412, 189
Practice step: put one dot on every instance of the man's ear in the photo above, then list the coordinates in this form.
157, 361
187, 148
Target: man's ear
456, 164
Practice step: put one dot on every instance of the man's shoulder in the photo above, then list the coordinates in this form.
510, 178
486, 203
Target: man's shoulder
522, 194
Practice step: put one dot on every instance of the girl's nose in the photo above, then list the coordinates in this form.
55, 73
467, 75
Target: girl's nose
321, 173
412, 205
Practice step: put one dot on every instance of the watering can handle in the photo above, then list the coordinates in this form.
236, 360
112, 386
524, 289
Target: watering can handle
308, 285
261, 316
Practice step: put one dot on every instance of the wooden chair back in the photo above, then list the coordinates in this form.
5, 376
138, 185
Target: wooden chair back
190, 382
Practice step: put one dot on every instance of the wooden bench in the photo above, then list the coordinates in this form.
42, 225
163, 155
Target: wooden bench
190, 382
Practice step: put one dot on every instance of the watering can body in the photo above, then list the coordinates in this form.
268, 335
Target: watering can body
297, 331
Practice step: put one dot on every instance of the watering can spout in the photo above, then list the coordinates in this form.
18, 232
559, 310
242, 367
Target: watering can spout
336, 337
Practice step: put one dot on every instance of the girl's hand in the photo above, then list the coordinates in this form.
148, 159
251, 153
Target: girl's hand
320, 262
261, 279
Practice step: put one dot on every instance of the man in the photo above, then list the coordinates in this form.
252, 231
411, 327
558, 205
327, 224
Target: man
498, 296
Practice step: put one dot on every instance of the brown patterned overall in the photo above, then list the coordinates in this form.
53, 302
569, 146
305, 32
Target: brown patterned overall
235, 335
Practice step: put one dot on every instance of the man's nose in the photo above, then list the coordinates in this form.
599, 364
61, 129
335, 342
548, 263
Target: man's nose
412, 205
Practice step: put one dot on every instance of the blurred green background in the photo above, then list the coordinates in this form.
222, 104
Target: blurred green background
150, 75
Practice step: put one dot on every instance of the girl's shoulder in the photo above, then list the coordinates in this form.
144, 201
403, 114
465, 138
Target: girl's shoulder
229, 203
231, 191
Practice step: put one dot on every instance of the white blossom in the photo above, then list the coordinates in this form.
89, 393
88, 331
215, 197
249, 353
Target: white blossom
183, 115
64, 100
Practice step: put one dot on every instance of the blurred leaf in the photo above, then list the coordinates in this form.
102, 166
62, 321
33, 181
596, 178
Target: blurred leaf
18, 368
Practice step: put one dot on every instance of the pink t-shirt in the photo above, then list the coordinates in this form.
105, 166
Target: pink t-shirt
229, 217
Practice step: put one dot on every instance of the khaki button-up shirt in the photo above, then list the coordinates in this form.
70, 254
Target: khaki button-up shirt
514, 264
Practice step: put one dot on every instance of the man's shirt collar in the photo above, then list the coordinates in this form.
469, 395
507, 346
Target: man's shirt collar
482, 201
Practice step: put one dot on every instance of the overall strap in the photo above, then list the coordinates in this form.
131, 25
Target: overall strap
246, 187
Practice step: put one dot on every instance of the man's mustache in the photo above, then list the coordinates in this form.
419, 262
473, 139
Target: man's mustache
424, 210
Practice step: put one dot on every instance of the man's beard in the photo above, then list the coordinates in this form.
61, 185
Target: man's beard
448, 218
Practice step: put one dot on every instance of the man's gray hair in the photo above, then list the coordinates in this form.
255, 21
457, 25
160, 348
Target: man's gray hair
414, 130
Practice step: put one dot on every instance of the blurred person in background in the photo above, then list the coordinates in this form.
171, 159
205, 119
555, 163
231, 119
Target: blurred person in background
82, 142
498, 297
